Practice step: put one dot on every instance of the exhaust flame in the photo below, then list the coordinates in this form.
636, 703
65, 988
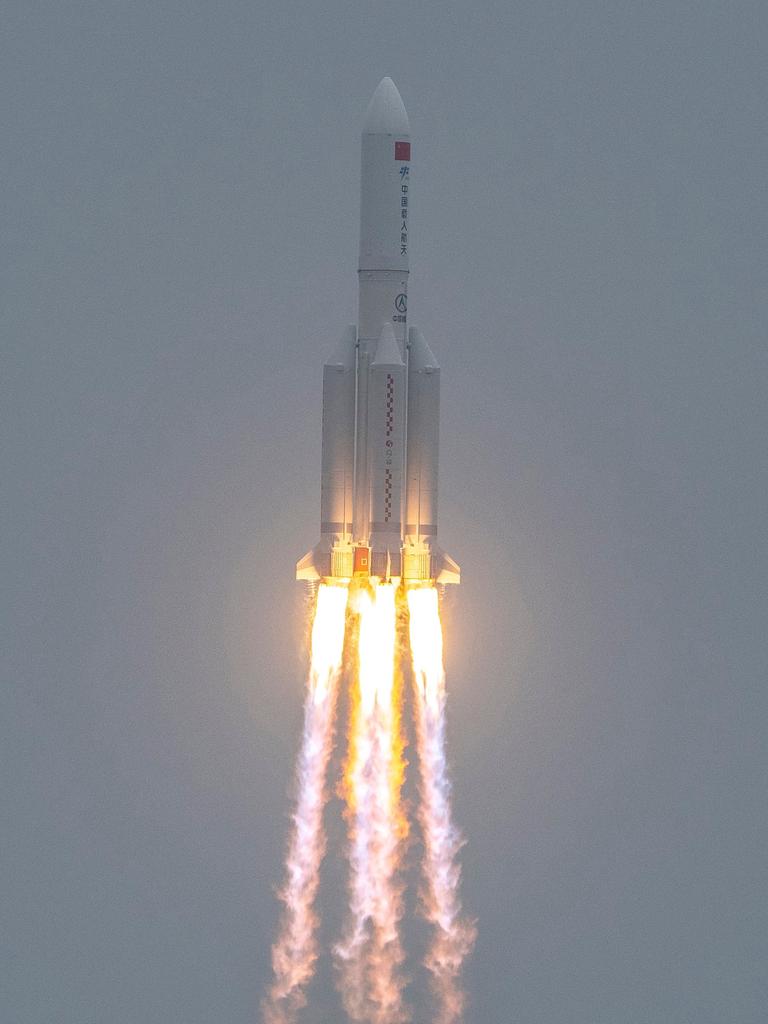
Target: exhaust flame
370, 956
370, 953
294, 952
453, 935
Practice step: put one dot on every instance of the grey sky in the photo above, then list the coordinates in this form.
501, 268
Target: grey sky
179, 209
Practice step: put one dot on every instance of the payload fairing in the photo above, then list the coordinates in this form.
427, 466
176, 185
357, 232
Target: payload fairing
381, 392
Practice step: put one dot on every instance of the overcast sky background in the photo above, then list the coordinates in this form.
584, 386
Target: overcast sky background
180, 187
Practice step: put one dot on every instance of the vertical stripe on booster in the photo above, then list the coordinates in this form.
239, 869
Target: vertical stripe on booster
388, 434
385, 444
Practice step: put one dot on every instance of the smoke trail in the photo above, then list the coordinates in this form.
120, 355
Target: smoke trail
453, 935
370, 953
294, 952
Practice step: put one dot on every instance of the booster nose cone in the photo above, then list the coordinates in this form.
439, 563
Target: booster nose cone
421, 357
387, 350
386, 112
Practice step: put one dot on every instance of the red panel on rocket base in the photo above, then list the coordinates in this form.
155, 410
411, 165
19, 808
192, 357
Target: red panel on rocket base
361, 563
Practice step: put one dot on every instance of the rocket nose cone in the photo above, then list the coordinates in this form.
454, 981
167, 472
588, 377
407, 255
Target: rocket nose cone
386, 112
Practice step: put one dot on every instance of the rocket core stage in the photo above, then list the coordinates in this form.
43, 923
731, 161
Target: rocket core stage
381, 392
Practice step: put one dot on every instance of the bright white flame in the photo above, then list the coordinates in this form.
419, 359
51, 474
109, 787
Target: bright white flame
294, 952
426, 637
453, 935
327, 639
370, 953
377, 648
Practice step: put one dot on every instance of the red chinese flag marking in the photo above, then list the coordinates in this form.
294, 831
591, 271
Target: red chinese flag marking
402, 151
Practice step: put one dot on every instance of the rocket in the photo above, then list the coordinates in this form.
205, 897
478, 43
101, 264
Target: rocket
381, 392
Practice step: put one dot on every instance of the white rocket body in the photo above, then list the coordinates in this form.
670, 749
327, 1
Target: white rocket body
381, 392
